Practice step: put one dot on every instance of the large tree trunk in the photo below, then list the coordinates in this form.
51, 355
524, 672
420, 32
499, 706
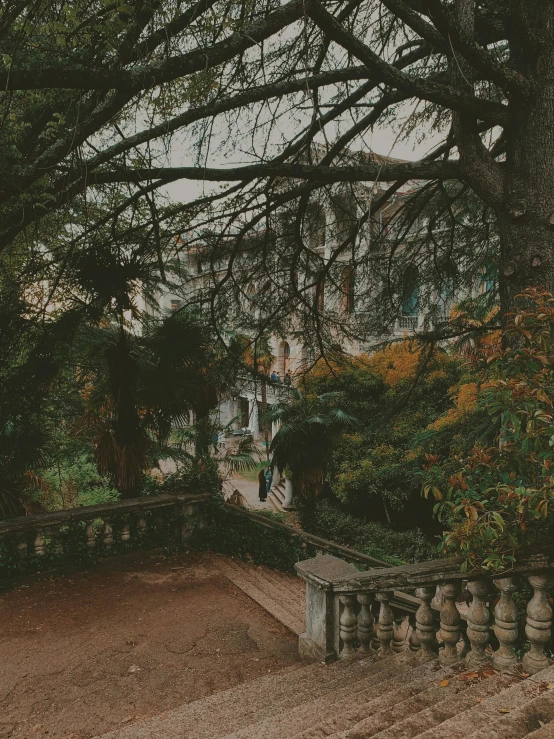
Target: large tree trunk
521, 189
526, 217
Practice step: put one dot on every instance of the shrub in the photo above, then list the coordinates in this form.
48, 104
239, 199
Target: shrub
226, 532
497, 499
374, 539
76, 483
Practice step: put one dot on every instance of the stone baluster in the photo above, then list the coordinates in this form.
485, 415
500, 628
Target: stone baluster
179, 522
478, 621
505, 624
90, 534
375, 643
141, 525
365, 622
399, 633
40, 543
22, 547
538, 624
348, 625
450, 623
58, 543
125, 533
385, 626
425, 622
108, 533
413, 641
465, 645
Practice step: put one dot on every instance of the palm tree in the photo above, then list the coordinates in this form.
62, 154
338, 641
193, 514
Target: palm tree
138, 387
310, 429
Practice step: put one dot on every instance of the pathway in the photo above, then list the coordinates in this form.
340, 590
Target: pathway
93, 651
249, 491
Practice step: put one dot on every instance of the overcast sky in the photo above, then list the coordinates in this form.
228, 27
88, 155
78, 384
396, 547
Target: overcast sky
382, 140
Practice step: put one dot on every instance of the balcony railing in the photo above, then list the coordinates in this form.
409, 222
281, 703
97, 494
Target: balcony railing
349, 612
274, 390
408, 323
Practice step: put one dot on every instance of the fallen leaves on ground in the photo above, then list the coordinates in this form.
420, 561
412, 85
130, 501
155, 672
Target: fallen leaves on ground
481, 674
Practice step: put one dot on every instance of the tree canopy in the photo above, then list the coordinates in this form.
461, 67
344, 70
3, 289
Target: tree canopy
107, 106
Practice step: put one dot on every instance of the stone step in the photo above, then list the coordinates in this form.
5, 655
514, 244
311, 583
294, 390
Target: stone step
546, 732
392, 698
368, 715
304, 715
532, 718
229, 710
273, 503
308, 719
486, 714
439, 703
276, 502
295, 585
276, 599
277, 587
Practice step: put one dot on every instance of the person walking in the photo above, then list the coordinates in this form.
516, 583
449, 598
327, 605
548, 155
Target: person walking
268, 480
262, 485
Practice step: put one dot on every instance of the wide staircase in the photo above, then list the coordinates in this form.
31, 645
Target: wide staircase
441, 672
393, 698
423, 650
279, 593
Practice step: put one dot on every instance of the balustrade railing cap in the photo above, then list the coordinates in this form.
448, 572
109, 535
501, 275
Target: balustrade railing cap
441, 570
82, 513
325, 569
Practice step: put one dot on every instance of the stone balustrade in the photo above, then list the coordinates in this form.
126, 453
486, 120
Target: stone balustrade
349, 612
48, 533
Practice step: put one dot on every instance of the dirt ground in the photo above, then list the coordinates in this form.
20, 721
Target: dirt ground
84, 653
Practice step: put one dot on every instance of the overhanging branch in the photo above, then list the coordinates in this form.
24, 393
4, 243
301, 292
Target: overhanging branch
446, 170
445, 95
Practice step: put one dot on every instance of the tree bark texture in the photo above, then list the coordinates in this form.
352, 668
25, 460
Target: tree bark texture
526, 214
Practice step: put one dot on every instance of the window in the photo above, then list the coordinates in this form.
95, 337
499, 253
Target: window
176, 304
486, 282
410, 295
284, 358
348, 285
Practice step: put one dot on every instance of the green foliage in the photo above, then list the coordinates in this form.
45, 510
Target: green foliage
396, 547
397, 393
138, 388
252, 474
311, 426
76, 482
38, 393
199, 475
497, 500
227, 532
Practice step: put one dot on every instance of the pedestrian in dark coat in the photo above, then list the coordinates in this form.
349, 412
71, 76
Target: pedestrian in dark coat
262, 485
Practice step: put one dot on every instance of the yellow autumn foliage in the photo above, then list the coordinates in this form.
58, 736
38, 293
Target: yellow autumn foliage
400, 363
465, 402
